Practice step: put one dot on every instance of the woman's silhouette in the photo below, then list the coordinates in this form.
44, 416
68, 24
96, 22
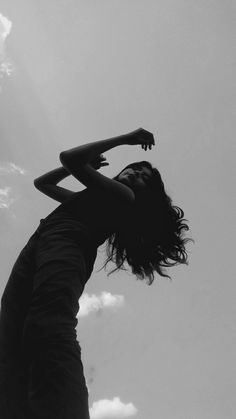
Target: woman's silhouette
41, 374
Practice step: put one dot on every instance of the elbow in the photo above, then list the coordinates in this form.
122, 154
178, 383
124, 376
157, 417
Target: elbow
36, 184
69, 162
63, 159
39, 184
62, 156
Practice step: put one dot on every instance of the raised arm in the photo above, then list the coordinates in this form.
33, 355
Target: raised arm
78, 161
83, 154
47, 184
52, 177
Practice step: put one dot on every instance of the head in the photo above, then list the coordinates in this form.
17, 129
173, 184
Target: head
151, 234
136, 175
141, 177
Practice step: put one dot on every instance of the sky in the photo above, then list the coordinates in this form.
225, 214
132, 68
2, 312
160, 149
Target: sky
74, 71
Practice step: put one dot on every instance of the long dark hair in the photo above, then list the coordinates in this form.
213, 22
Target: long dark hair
151, 236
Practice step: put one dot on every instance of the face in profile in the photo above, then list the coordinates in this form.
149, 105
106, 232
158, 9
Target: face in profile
136, 177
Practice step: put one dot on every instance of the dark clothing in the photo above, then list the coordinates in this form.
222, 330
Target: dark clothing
98, 216
41, 373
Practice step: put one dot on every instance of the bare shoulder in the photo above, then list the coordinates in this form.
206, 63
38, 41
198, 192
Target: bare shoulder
116, 190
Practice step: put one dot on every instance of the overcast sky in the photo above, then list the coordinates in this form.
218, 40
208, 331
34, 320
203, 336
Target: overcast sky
75, 71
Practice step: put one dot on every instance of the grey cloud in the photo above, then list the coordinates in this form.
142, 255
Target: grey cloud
11, 168
5, 199
5, 28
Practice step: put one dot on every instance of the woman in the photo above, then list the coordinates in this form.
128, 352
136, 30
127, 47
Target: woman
41, 374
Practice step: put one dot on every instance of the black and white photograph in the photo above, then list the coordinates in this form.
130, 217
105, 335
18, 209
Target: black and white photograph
117, 209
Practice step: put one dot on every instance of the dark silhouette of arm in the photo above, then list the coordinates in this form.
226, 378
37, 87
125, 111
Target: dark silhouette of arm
47, 184
78, 162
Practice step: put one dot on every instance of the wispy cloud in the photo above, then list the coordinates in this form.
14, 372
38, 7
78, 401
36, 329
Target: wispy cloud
90, 303
6, 195
112, 409
11, 168
5, 199
5, 29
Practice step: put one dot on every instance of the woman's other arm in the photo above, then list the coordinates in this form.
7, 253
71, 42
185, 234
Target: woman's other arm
47, 184
78, 161
52, 177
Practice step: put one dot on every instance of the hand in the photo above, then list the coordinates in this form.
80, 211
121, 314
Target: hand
98, 162
140, 136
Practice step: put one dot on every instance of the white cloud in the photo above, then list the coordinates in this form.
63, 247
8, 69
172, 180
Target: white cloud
112, 409
5, 199
5, 29
89, 303
17, 169
9, 168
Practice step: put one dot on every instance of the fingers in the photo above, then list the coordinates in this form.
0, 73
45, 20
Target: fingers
103, 161
146, 146
148, 142
99, 162
101, 158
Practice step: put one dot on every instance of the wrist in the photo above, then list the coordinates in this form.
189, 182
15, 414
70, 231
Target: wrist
123, 139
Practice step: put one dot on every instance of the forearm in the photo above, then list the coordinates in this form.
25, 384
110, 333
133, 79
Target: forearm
52, 177
84, 154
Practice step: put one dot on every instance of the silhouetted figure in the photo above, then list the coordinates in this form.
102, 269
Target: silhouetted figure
41, 374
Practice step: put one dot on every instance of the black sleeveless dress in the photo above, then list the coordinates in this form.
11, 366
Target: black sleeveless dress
89, 218
41, 373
